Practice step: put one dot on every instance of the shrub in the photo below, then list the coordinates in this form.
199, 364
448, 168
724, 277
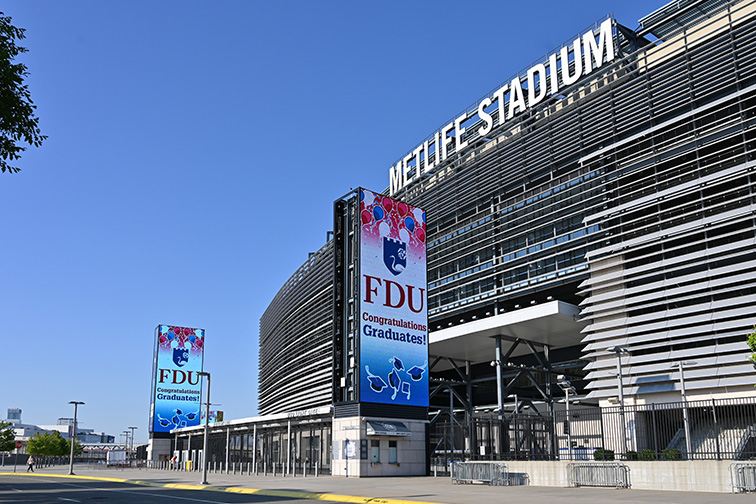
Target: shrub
647, 454
632, 455
671, 454
601, 454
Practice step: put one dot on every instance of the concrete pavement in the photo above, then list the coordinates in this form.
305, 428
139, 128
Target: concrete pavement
383, 490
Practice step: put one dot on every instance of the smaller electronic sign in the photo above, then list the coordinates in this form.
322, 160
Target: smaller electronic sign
177, 385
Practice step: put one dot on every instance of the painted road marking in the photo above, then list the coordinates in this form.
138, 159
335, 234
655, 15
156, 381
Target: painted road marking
352, 499
175, 497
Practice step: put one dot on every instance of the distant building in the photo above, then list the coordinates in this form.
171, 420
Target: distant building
14, 415
64, 426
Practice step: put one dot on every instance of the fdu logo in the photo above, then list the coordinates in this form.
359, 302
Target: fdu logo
180, 356
394, 255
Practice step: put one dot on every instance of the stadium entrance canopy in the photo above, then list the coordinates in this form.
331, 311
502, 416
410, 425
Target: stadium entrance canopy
554, 324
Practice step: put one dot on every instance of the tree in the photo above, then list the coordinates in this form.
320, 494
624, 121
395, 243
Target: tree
78, 448
48, 443
17, 120
7, 437
751, 341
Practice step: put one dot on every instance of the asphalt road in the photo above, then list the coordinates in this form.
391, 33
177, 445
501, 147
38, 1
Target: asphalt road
92, 485
41, 490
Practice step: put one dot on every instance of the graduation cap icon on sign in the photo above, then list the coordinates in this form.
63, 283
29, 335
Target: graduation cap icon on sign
395, 382
397, 363
416, 372
376, 382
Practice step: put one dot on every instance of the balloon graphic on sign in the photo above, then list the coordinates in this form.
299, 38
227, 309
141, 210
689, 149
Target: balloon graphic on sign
387, 204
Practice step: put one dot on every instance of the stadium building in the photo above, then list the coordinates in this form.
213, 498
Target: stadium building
590, 234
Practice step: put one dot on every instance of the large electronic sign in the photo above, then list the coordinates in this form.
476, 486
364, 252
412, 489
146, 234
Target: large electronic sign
393, 302
177, 385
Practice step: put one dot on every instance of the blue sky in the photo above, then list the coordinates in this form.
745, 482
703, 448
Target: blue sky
194, 152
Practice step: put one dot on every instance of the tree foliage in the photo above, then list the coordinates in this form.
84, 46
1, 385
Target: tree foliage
751, 341
7, 436
18, 124
78, 448
48, 443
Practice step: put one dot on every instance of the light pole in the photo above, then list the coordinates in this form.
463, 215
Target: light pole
126, 442
686, 421
132, 439
619, 351
567, 386
207, 419
73, 438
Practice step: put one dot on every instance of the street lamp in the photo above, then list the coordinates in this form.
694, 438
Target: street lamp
73, 438
132, 439
567, 386
207, 419
619, 351
686, 421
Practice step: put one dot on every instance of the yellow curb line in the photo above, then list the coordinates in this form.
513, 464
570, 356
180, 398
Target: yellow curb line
116, 480
259, 491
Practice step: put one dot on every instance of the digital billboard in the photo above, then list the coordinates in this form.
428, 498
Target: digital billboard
177, 386
393, 302
215, 416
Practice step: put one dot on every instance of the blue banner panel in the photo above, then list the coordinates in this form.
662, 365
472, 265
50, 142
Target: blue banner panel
178, 386
393, 302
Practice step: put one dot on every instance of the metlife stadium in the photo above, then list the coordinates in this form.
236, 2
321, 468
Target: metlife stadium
592, 216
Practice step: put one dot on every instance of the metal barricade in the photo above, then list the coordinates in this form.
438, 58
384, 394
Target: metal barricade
743, 477
491, 473
603, 474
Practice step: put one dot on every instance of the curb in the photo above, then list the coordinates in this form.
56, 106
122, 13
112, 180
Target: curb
272, 493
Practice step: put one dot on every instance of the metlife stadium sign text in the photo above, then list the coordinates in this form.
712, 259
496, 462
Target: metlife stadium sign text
393, 302
521, 93
177, 386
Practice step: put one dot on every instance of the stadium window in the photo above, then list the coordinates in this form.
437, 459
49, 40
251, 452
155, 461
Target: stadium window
393, 456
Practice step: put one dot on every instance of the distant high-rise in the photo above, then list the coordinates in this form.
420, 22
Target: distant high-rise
14, 415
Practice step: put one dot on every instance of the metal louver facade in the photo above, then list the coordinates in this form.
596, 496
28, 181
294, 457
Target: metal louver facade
673, 270
295, 359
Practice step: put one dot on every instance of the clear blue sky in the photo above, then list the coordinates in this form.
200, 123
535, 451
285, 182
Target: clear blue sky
194, 152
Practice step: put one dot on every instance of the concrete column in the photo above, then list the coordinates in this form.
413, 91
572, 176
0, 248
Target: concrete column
288, 458
228, 446
254, 447
499, 378
469, 407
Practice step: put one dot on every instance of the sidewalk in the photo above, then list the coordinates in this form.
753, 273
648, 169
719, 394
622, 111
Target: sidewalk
392, 490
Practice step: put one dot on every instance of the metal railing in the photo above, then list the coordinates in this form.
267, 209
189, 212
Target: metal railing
723, 429
241, 468
719, 430
491, 473
602, 474
743, 477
